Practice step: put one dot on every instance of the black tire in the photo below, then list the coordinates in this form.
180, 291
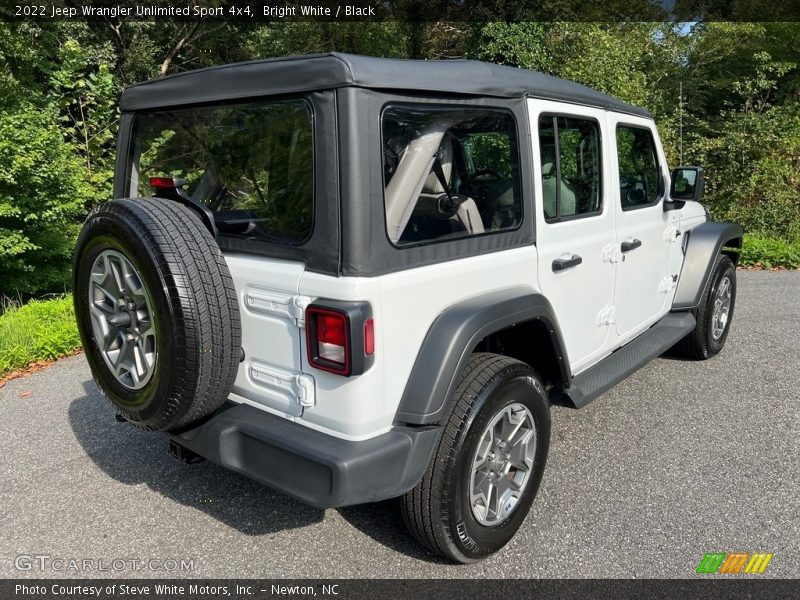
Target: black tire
194, 305
438, 511
700, 343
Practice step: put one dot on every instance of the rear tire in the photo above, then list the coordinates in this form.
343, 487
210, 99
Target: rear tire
714, 314
157, 312
448, 511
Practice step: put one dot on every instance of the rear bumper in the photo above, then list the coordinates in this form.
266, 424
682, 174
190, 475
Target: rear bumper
317, 468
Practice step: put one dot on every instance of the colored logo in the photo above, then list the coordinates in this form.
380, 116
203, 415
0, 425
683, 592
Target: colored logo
735, 562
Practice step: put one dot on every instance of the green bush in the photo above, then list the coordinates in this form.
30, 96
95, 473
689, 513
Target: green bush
39, 330
42, 195
57, 127
770, 252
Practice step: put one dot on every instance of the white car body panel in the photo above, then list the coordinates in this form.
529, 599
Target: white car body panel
269, 335
639, 298
580, 293
415, 298
691, 215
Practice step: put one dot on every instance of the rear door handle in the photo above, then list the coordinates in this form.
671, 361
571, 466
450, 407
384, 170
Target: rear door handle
560, 264
630, 245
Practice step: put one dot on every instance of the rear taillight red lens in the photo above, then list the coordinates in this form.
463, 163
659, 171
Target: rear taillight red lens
332, 338
328, 338
162, 182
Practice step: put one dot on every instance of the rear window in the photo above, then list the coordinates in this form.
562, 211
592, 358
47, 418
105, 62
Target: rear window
251, 164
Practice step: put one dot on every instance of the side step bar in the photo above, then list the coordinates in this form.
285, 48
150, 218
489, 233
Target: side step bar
625, 361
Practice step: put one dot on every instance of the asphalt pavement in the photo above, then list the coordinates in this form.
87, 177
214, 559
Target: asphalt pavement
681, 459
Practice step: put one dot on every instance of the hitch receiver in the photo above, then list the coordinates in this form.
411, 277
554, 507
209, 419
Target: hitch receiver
183, 454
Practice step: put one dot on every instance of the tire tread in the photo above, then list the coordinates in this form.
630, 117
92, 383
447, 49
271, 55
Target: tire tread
695, 345
201, 293
422, 507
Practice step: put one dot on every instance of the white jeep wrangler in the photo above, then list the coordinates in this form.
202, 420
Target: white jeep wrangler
355, 279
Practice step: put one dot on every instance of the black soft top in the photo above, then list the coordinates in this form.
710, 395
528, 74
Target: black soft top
297, 74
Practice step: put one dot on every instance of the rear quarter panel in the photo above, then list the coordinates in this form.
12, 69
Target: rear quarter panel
404, 304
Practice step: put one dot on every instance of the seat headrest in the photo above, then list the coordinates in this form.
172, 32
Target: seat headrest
548, 160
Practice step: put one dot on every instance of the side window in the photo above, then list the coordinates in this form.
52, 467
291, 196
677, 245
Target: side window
449, 173
570, 153
639, 173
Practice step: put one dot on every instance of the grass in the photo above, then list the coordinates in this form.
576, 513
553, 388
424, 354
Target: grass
39, 330
769, 253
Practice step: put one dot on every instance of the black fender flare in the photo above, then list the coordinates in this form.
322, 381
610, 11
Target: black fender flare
451, 338
704, 244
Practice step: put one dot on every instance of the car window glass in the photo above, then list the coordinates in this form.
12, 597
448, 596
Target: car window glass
449, 173
639, 173
570, 160
250, 164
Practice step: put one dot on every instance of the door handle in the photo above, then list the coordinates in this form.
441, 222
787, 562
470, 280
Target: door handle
630, 245
560, 264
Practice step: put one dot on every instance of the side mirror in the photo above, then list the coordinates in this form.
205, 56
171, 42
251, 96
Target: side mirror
687, 184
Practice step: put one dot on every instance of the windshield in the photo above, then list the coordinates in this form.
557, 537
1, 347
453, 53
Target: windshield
250, 164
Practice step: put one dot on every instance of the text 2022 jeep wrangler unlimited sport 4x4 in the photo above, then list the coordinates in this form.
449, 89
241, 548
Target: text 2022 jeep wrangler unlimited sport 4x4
354, 278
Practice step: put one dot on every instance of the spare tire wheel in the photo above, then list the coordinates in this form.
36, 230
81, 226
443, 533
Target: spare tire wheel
157, 312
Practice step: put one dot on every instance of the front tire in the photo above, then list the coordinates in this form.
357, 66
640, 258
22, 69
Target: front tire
713, 315
487, 469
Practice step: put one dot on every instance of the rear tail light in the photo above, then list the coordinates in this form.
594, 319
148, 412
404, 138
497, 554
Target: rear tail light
170, 183
332, 343
340, 337
329, 343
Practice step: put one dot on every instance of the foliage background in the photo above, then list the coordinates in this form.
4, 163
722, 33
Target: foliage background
734, 86
40, 330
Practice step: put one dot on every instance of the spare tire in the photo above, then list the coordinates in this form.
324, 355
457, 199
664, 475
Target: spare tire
157, 312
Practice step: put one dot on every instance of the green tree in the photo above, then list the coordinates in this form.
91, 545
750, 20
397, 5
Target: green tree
86, 98
42, 197
753, 169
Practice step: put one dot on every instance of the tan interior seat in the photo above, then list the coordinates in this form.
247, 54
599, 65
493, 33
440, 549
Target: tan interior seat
415, 181
568, 200
468, 214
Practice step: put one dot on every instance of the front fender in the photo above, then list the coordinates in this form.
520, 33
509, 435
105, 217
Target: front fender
704, 245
